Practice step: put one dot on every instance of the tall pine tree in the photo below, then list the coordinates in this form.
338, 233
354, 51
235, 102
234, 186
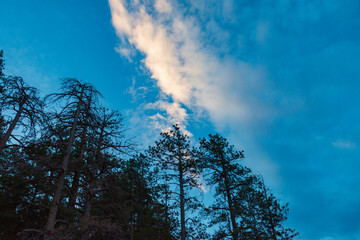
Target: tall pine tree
173, 154
243, 207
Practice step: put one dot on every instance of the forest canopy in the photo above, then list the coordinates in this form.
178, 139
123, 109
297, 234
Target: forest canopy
70, 170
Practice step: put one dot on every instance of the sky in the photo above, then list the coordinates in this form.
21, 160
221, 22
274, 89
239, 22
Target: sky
279, 79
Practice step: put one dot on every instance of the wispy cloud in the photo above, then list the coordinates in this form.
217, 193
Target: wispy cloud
185, 70
163, 6
345, 144
272, 77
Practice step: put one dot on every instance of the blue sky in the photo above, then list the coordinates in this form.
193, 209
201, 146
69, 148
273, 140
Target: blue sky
279, 79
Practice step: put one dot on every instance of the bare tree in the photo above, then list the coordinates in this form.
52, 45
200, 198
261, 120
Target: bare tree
78, 96
24, 101
108, 143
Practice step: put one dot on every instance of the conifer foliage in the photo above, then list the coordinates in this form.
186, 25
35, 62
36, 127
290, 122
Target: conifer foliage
177, 167
243, 208
69, 170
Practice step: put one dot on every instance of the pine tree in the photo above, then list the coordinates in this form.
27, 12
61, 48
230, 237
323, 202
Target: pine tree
174, 157
146, 220
243, 208
262, 215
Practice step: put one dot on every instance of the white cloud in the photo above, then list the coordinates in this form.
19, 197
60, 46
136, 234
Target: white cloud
183, 69
188, 72
137, 92
125, 52
176, 115
163, 6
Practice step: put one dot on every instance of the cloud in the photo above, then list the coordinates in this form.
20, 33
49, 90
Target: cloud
194, 76
278, 79
345, 144
184, 68
174, 112
125, 52
296, 118
137, 92
163, 6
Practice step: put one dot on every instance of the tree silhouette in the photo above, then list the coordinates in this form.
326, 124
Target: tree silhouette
174, 156
72, 173
219, 158
78, 96
24, 101
243, 207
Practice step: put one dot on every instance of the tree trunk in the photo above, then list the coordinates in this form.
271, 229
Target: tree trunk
132, 215
273, 231
182, 201
64, 166
167, 222
74, 190
75, 183
230, 203
11, 127
86, 217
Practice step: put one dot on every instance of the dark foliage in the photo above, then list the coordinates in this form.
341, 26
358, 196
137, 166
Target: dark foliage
68, 171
